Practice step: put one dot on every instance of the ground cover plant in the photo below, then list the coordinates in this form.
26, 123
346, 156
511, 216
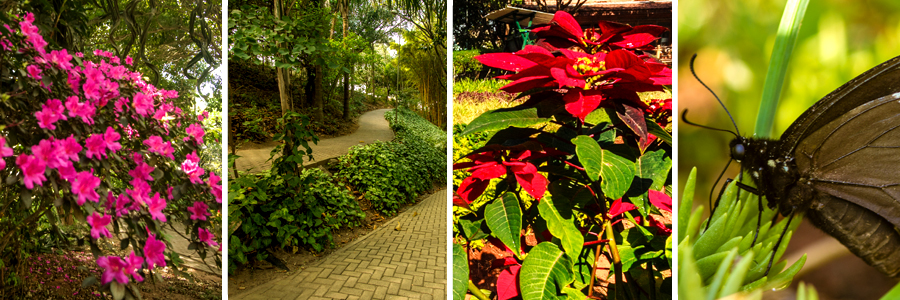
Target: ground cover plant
84, 139
292, 208
570, 194
393, 173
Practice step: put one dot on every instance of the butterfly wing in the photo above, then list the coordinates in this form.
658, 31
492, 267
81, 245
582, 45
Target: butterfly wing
856, 157
880, 81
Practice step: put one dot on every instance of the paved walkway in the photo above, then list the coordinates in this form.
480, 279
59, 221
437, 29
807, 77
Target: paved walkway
372, 127
190, 257
384, 264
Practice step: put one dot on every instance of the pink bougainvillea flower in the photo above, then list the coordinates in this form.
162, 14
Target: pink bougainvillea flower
44, 150
111, 138
61, 58
68, 148
214, 186
134, 264
660, 200
191, 167
33, 170
199, 211
74, 80
98, 224
153, 252
207, 237
96, 146
155, 206
81, 109
5, 151
85, 187
196, 131
34, 71
143, 104
67, 171
114, 269
157, 146
139, 193
142, 171
51, 112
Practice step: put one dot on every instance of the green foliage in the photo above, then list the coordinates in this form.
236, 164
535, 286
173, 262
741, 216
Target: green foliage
287, 207
723, 259
489, 86
561, 267
267, 210
408, 126
257, 34
465, 66
393, 173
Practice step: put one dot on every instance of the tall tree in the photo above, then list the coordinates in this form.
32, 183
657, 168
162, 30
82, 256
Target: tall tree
345, 15
281, 73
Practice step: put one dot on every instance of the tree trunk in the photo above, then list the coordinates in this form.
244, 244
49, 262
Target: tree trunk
345, 16
281, 73
317, 97
346, 96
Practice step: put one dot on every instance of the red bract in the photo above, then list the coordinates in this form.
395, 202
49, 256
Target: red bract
490, 165
618, 36
508, 283
562, 32
535, 67
661, 200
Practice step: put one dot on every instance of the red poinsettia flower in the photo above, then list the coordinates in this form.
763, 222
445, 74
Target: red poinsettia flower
661, 200
661, 228
489, 165
562, 32
534, 66
621, 36
617, 208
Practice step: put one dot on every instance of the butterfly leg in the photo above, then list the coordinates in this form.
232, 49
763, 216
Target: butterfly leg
777, 244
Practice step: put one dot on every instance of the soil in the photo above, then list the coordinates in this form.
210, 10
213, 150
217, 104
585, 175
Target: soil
59, 276
260, 272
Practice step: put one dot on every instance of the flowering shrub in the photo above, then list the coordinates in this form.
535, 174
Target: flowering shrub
578, 175
84, 136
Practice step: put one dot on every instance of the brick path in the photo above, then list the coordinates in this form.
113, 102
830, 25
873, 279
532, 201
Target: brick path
384, 264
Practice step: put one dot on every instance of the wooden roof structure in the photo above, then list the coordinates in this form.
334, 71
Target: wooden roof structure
656, 12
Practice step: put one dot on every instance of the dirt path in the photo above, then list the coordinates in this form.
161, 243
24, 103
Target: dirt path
372, 127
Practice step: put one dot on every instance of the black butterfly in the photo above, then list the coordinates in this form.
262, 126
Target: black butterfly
839, 162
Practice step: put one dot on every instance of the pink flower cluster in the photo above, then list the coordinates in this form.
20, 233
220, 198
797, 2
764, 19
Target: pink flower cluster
54, 153
90, 87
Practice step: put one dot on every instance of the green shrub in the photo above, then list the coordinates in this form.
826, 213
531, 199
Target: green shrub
393, 173
465, 64
407, 125
287, 207
266, 214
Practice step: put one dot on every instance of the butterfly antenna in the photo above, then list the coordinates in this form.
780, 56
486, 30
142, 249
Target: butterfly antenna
714, 95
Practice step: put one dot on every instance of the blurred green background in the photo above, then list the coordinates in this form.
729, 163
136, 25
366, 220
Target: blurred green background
733, 39
838, 40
